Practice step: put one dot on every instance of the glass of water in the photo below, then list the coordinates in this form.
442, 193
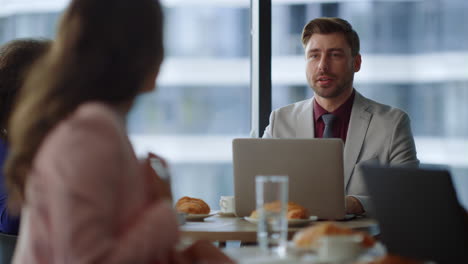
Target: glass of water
272, 205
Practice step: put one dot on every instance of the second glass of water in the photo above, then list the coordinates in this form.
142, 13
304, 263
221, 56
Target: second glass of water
272, 204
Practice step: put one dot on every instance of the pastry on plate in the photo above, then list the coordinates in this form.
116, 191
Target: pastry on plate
309, 237
295, 211
191, 205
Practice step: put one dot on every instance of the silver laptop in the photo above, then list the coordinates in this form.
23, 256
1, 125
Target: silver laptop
314, 167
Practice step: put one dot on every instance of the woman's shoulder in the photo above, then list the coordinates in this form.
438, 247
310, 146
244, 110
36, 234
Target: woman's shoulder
91, 134
93, 117
95, 111
90, 123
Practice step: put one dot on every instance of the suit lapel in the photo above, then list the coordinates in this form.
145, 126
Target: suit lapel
358, 124
304, 121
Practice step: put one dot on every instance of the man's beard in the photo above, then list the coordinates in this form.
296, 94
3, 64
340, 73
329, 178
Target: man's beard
340, 89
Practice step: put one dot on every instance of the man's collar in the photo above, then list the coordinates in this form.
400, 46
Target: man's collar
343, 108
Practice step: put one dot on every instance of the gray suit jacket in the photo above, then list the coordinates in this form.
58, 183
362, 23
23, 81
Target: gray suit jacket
376, 133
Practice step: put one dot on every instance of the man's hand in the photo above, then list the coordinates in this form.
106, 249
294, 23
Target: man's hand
353, 206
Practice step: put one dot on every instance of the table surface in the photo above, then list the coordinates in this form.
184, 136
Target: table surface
218, 228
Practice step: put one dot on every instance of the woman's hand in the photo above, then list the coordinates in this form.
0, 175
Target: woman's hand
205, 252
156, 168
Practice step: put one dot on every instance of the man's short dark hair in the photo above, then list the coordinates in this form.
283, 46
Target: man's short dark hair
327, 25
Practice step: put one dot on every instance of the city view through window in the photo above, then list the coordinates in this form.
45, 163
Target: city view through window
415, 57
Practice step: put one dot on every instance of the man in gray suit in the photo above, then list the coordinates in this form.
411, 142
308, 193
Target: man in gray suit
370, 131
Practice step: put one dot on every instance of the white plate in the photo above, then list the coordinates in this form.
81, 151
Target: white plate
198, 217
302, 222
291, 222
310, 253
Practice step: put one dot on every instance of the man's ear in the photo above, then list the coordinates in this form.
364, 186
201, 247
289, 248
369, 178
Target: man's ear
357, 62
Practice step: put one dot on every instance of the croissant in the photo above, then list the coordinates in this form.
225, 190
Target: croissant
295, 211
191, 205
309, 237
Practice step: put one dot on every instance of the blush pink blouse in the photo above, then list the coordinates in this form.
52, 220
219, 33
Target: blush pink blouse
89, 200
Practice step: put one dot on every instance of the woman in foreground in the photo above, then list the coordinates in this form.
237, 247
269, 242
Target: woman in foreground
83, 195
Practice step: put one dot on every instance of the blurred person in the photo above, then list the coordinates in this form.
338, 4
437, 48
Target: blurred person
371, 132
83, 195
16, 57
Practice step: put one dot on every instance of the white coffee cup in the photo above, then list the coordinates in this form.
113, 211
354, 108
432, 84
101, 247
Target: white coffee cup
227, 204
340, 248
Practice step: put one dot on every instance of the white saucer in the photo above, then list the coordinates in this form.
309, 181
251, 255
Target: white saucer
223, 214
291, 222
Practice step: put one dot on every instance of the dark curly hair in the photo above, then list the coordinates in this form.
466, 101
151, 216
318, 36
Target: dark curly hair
16, 58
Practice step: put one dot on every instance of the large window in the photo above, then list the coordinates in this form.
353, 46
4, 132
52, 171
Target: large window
203, 97
203, 92
415, 57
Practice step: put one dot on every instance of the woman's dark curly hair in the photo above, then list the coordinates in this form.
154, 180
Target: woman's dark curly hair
16, 57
